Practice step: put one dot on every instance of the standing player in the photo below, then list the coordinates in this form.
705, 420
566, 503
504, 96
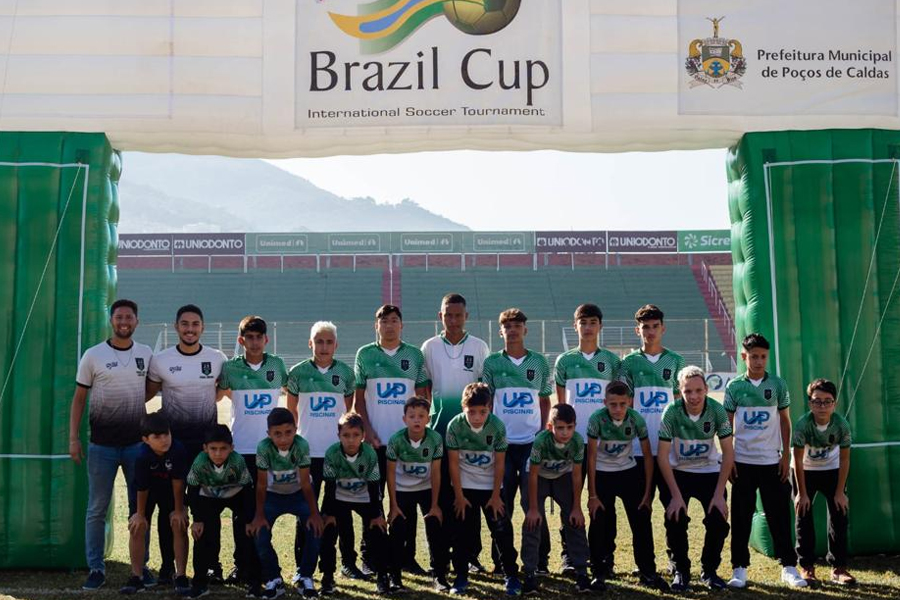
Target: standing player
582, 375
187, 374
652, 375
758, 407
320, 391
114, 372
519, 381
453, 360
692, 467
253, 381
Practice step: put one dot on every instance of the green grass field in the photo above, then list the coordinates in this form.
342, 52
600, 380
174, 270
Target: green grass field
879, 576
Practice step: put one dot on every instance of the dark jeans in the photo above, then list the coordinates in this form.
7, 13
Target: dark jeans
467, 530
515, 480
409, 503
375, 539
701, 487
825, 483
208, 511
629, 486
776, 501
284, 504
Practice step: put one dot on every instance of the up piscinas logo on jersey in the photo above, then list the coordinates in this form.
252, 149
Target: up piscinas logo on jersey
415, 470
693, 450
322, 403
254, 401
653, 399
756, 419
817, 453
517, 399
477, 460
614, 449
554, 465
353, 487
383, 24
588, 390
390, 390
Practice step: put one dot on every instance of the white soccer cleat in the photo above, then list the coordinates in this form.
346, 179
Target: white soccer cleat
739, 578
792, 577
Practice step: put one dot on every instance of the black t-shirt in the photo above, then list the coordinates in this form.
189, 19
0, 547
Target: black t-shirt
154, 472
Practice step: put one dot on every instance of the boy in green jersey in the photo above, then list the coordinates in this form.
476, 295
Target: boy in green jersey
476, 449
652, 375
351, 485
282, 487
219, 479
555, 472
613, 472
758, 406
821, 444
414, 482
254, 381
693, 467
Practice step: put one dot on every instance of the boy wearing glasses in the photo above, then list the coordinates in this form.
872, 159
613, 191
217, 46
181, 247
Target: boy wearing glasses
821, 444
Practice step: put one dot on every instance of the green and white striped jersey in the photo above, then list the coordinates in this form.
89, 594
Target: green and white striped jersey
281, 465
517, 389
655, 385
585, 378
554, 459
615, 441
414, 459
219, 482
476, 449
321, 401
821, 444
757, 428
351, 474
390, 378
255, 391
693, 438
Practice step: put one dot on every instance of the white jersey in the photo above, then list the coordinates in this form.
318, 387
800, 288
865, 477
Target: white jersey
451, 368
116, 380
188, 389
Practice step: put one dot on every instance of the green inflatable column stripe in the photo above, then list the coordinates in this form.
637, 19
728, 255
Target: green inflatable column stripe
51, 216
825, 218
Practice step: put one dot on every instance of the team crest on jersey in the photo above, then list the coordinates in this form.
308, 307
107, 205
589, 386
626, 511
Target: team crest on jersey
206, 368
335, 379
831, 439
707, 426
628, 430
529, 374
768, 394
425, 452
667, 374
601, 366
489, 439
469, 361
270, 376
139, 363
362, 468
404, 364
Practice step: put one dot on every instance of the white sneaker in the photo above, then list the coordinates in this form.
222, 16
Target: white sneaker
274, 588
791, 576
739, 578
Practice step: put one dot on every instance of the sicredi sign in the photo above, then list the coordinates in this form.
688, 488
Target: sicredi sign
704, 241
642, 241
570, 241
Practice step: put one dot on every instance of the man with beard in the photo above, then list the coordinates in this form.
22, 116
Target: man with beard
114, 374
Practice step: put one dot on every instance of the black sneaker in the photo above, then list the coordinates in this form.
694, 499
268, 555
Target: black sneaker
397, 584
598, 585
582, 583
475, 566
568, 569
215, 575
197, 591
94, 581
383, 584
254, 590
440, 584
165, 577
542, 571
132, 586
713, 581
182, 585
680, 582
530, 586
653, 581
414, 568
234, 578
366, 570
148, 579
326, 586
353, 572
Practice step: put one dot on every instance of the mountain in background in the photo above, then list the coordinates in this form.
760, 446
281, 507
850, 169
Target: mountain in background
172, 193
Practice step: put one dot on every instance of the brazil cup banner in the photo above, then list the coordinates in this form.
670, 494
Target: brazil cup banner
428, 62
830, 57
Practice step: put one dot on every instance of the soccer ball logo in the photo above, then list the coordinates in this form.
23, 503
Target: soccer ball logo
481, 17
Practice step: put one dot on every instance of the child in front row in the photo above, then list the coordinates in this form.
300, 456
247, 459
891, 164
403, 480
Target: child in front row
283, 487
159, 474
414, 481
821, 464
555, 471
351, 477
219, 479
476, 450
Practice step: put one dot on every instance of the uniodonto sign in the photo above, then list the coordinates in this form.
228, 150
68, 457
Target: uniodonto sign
321, 77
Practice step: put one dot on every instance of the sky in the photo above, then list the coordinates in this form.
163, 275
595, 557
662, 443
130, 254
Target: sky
545, 190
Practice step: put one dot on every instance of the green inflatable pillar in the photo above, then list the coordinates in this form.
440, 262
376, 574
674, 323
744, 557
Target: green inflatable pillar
816, 244
58, 214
